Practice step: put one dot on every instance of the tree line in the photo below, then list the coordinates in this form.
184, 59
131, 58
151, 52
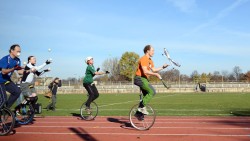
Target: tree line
123, 69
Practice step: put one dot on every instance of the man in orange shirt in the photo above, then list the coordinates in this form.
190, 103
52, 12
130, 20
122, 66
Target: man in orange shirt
144, 70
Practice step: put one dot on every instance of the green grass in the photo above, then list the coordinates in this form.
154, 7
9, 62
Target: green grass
189, 104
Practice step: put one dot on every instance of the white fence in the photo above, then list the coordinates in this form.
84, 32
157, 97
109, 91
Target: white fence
117, 88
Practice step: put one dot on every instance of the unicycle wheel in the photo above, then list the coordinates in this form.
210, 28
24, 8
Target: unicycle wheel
89, 113
140, 121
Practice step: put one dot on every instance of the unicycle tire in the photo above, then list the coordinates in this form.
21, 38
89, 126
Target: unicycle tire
89, 114
7, 121
140, 121
25, 115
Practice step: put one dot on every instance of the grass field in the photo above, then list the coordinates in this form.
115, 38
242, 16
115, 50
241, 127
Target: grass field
188, 104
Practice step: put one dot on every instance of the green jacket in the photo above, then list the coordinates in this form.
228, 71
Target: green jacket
89, 74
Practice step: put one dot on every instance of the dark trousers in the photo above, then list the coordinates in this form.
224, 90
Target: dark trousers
3, 95
93, 93
52, 105
31, 100
14, 93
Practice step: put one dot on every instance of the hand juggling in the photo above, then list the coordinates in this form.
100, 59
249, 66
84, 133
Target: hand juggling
17, 67
97, 69
48, 61
164, 66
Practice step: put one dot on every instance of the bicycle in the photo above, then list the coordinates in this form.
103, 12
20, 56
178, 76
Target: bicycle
140, 121
7, 121
89, 113
25, 112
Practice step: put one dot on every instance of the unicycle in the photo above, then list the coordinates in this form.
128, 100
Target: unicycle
89, 114
26, 113
140, 121
7, 121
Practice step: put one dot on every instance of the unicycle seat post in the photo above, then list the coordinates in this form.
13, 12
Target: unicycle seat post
141, 95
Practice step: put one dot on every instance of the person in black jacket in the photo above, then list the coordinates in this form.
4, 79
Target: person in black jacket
53, 86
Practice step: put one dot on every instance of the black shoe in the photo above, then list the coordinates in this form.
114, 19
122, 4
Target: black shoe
139, 115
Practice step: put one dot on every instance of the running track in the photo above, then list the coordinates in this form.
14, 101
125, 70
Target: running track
118, 129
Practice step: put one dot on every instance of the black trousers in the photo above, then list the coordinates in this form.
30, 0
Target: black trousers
13, 90
32, 100
93, 93
3, 95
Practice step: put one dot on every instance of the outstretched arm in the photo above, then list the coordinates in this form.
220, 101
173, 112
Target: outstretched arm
160, 68
37, 68
147, 72
99, 73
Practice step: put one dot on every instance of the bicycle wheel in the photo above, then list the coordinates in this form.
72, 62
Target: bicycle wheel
25, 115
141, 121
91, 113
7, 121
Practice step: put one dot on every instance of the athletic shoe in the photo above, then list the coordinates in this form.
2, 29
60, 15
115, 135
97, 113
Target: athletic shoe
139, 115
143, 110
18, 113
88, 111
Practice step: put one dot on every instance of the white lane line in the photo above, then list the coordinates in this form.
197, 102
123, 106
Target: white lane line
133, 101
182, 110
168, 122
136, 134
111, 127
168, 118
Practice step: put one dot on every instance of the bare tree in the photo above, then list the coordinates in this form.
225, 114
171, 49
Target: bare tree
216, 76
170, 75
224, 75
185, 77
195, 76
112, 65
231, 77
237, 72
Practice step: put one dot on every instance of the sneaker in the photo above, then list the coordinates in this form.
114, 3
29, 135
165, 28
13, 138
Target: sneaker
143, 110
88, 111
18, 113
139, 116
